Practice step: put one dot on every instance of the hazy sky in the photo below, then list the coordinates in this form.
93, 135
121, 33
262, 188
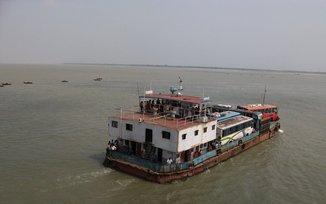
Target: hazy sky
273, 34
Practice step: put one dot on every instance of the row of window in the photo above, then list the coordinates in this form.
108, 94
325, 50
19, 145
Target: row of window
269, 110
114, 124
184, 136
237, 128
165, 134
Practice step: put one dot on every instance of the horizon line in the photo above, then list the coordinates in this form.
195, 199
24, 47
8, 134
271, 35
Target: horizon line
175, 66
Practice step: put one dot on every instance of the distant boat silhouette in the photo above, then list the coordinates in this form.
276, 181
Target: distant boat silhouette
98, 79
28, 82
6, 84
64, 81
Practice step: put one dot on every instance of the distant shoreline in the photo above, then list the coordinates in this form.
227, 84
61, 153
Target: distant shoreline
178, 66
200, 67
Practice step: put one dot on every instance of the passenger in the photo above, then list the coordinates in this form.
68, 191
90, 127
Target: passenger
141, 106
178, 160
108, 150
169, 161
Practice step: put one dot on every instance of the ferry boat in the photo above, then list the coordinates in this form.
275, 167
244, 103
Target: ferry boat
173, 136
98, 79
6, 84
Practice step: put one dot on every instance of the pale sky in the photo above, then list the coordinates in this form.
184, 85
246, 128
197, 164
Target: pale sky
260, 34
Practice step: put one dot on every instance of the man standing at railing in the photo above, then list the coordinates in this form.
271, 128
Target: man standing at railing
169, 161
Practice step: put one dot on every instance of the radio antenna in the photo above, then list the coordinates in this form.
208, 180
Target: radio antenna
264, 95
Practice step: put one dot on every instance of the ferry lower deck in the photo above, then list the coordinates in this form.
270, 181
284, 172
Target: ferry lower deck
169, 173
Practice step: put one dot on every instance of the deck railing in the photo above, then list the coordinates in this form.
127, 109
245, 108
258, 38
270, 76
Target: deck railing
181, 166
177, 122
160, 167
204, 157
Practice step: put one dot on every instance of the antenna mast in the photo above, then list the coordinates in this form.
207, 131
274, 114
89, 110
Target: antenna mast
264, 95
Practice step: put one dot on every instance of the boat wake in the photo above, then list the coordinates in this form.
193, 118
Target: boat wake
79, 179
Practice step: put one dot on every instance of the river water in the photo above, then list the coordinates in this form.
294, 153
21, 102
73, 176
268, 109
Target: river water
54, 135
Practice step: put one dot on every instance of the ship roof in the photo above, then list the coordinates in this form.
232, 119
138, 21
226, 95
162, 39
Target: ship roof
224, 124
182, 98
258, 106
226, 114
171, 123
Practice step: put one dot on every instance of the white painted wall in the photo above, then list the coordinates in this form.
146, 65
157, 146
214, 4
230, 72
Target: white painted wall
192, 140
174, 144
138, 133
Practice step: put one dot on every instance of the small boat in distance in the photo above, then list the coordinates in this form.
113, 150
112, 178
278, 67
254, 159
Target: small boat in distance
6, 84
98, 79
64, 81
28, 82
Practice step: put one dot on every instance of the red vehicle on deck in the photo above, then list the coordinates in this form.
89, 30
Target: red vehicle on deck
268, 111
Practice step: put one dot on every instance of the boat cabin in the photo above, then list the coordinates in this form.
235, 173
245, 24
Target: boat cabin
166, 126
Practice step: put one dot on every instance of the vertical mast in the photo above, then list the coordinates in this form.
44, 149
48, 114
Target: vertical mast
264, 95
180, 84
120, 122
138, 94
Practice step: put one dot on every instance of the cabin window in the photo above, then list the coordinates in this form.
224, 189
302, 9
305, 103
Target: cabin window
205, 129
196, 132
226, 132
166, 135
129, 127
232, 130
213, 127
184, 136
114, 123
219, 133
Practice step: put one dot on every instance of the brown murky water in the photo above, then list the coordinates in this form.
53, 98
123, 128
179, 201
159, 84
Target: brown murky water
54, 134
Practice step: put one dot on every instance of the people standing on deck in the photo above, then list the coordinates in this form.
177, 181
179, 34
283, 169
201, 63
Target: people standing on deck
141, 104
169, 161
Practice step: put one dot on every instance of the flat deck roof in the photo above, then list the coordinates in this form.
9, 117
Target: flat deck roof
257, 106
233, 121
188, 99
172, 123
